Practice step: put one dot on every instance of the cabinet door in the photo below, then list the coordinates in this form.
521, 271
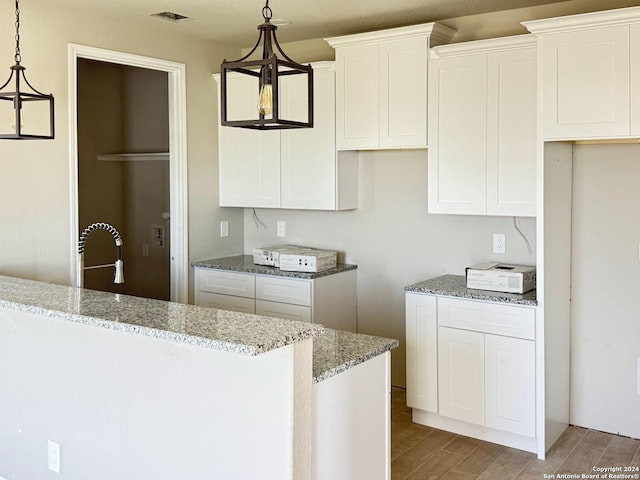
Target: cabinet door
511, 133
457, 135
249, 163
308, 175
297, 313
224, 282
461, 374
357, 89
586, 83
403, 93
225, 302
422, 351
285, 290
510, 384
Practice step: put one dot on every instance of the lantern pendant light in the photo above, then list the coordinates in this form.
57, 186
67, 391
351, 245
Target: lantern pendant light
266, 73
20, 98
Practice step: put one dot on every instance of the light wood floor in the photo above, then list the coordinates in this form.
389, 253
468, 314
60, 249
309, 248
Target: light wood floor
419, 452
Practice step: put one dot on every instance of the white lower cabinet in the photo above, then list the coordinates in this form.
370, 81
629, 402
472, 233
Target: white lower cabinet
461, 374
509, 378
422, 352
471, 368
329, 300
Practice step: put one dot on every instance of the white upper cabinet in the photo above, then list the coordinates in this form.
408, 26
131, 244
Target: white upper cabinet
482, 128
296, 168
381, 81
590, 75
249, 163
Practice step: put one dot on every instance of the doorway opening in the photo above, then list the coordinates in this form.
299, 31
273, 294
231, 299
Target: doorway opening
128, 163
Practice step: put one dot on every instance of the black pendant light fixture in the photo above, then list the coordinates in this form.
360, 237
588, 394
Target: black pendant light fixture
266, 73
20, 98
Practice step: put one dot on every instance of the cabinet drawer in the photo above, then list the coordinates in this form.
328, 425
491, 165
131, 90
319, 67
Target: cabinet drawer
226, 302
507, 320
284, 290
283, 310
226, 283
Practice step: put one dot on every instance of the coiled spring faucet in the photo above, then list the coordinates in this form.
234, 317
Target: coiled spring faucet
119, 274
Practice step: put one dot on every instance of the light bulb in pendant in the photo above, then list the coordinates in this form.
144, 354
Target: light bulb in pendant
13, 122
265, 99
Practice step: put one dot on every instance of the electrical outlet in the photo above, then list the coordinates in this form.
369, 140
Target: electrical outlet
281, 228
53, 458
638, 383
499, 243
224, 228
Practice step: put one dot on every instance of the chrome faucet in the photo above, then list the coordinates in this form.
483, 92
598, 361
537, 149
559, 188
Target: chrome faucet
119, 275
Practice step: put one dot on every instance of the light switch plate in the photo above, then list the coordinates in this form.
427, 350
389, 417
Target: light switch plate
281, 229
224, 228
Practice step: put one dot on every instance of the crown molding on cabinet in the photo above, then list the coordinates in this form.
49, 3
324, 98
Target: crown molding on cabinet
608, 18
437, 33
484, 46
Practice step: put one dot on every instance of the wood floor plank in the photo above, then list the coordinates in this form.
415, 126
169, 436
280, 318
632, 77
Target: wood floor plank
498, 472
586, 454
557, 454
619, 453
458, 475
415, 456
405, 434
462, 445
515, 459
480, 459
436, 466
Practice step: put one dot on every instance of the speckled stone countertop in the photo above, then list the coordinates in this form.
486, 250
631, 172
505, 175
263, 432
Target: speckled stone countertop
333, 351
336, 351
244, 263
456, 286
206, 327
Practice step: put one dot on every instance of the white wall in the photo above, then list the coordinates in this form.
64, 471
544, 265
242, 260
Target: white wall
393, 240
605, 331
34, 175
127, 406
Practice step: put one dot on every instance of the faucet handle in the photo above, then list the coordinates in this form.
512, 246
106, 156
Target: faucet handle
119, 275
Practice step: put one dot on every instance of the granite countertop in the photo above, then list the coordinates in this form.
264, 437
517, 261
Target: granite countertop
244, 263
456, 286
206, 327
336, 351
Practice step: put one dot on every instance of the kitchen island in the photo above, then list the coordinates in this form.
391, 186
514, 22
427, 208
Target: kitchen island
139, 388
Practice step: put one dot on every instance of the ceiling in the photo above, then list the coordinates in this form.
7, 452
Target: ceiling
234, 21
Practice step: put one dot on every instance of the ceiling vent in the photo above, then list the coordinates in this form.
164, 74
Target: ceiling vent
171, 16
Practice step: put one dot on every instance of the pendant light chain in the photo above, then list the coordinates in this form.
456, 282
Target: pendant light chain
266, 12
17, 56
